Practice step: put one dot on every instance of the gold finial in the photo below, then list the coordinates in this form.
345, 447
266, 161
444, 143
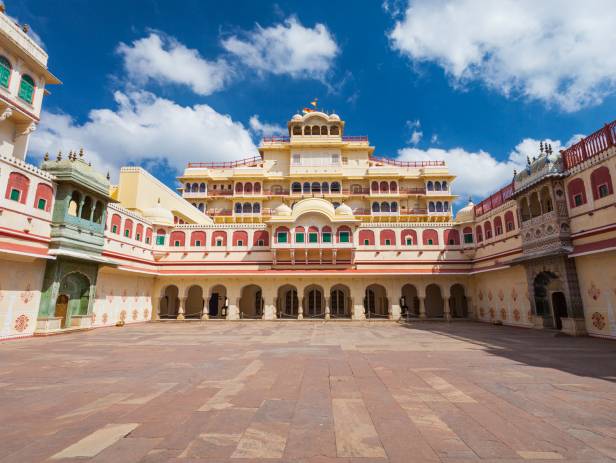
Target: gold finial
81, 152
46, 157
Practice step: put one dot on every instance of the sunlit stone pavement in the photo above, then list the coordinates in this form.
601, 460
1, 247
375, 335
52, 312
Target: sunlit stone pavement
307, 391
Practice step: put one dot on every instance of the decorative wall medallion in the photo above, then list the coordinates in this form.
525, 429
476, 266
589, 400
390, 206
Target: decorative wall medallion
492, 312
481, 295
21, 323
135, 314
110, 296
93, 318
501, 295
490, 296
516, 314
514, 294
146, 314
105, 318
124, 295
27, 295
503, 313
598, 320
123, 316
593, 291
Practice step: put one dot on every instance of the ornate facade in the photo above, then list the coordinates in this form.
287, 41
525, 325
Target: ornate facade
313, 227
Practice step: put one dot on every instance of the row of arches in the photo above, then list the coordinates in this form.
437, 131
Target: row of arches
408, 237
198, 238
438, 206
489, 229
384, 206
315, 187
314, 234
383, 187
195, 188
600, 185
437, 186
248, 188
314, 302
126, 229
17, 189
247, 208
86, 208
27, 86
316, 130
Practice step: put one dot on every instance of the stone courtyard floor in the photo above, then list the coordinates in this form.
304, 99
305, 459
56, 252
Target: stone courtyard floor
307, 391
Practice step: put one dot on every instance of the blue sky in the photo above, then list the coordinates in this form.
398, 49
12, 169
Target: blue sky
475, 83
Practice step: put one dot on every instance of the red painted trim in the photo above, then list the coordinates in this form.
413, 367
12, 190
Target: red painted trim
23, 248
23, 235
19, 107
596, 246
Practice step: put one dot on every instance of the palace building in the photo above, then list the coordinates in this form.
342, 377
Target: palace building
316, 226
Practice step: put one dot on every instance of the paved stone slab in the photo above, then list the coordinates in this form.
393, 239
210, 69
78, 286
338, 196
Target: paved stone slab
308, 392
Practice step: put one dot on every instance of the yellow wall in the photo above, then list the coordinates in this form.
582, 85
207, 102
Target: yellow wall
502, 295
597, 278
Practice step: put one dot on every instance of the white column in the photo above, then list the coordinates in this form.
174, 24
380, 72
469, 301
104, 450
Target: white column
182, 301
422, 306
446, 308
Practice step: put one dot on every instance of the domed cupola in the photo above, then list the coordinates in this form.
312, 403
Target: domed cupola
343, 209
283, 209
467, 213
158, 215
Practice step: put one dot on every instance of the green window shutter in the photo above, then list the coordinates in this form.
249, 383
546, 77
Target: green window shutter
138, 237
114, 229
282, 237
327, 237
126, 233
15, 194
299, 237
41, 204
160, 240
313, 238
26, 89
344, 237
5, 72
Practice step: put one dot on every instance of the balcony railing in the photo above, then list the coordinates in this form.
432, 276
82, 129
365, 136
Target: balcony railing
590, 146
394, 162
255, 161
495, 200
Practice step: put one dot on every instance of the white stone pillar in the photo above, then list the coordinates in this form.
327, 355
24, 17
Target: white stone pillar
182, 301
327, 309
422, 306
446, 308
233, 309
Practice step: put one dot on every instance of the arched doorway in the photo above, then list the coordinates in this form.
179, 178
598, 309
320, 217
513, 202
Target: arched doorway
434, 302
340, 302
217, 306
458, 305
288, 302
169, 303
376, 303
559, 305
409, 302
73, 298
314, 302
251, 302
194, 302
550, 299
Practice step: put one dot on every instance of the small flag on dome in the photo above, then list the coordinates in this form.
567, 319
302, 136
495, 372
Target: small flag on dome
314, 103
307, 110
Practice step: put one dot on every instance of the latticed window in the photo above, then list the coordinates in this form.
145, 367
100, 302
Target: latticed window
5, 72
344, 237
26, 88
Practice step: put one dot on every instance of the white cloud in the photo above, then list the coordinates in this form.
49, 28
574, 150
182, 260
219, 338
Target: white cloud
416, 137
166, 61
287, 48
555, 51
434, 139
265, 129
145, 128
479, 173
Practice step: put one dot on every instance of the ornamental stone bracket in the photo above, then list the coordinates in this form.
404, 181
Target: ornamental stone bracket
8, 112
